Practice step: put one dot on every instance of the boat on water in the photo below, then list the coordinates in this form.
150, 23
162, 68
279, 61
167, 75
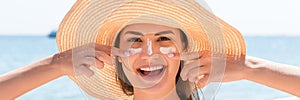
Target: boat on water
52, 34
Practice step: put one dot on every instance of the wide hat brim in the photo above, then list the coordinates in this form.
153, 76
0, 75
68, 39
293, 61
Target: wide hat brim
99, 21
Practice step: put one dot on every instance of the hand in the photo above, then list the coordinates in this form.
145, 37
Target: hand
80, 59
198, 68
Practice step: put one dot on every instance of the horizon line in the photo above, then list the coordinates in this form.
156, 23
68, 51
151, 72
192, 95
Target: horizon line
244, 35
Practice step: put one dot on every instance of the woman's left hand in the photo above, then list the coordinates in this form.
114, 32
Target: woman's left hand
198, 68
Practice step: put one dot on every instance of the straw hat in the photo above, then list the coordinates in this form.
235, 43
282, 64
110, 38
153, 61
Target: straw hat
100, 21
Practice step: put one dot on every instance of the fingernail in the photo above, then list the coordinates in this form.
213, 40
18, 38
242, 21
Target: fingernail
184, 79
200, 77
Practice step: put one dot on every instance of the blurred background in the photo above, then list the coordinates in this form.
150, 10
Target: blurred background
270, 28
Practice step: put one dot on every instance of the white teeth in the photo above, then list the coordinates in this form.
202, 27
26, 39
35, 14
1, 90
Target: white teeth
152, 68
170, 55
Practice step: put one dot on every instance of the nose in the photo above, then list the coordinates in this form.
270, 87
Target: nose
148, 49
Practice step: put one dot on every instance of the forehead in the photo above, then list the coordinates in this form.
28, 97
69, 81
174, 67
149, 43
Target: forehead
145, 28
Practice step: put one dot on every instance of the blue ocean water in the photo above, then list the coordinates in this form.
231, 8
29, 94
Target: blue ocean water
18, 51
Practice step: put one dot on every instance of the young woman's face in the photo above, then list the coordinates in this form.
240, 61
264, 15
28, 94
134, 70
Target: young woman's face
153, 56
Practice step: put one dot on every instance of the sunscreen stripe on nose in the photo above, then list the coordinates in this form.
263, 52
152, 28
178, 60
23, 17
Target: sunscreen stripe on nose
149, 44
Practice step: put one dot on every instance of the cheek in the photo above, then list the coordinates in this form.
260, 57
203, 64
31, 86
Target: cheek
172, 56
129, 62
174, 65
132, 59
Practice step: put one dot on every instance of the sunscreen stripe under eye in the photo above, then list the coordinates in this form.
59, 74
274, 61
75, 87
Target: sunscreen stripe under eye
169, 51
133, 51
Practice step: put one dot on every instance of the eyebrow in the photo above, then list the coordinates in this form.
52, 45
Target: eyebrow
156, 34
134, 32
163, 32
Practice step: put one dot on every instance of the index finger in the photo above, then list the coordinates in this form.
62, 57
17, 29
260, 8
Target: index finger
104, 48
118, 52
189, 55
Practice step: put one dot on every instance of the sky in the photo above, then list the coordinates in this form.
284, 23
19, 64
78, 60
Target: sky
250, 17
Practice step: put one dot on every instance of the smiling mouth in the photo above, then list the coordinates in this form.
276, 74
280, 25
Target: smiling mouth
151, 71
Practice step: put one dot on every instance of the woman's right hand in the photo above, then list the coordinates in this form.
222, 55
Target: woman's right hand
81, 58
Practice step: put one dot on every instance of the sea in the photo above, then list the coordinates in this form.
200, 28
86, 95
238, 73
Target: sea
19, 51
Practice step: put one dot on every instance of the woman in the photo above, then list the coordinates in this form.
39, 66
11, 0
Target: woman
102, 22
153, 44
161, 50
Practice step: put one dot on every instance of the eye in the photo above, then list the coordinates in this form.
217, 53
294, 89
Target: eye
163, 39
134, 40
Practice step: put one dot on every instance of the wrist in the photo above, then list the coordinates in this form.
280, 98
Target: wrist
249, 73
53, 65
254, 70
